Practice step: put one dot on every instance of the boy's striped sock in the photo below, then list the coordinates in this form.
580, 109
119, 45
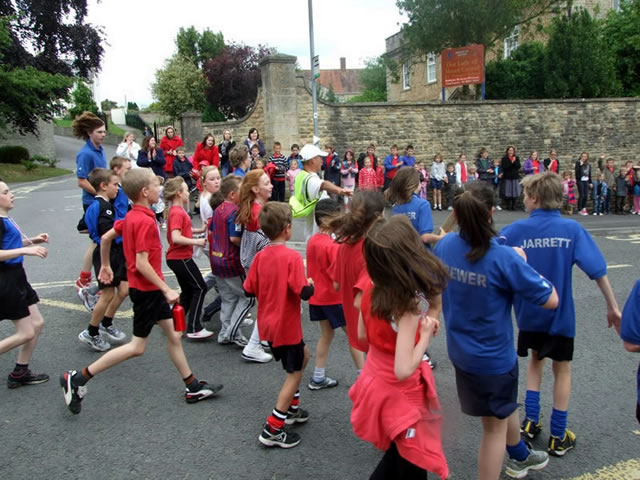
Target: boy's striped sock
318, 375
559, 422
295, 403
275, 421
518, 451
532, 405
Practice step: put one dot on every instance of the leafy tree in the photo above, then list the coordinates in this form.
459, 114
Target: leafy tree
199, 47
578, 63
374, 81
212, 115
622, 35
233, 78
520, 76
179, 87
132, 106
106, 105
435, 25
83, 101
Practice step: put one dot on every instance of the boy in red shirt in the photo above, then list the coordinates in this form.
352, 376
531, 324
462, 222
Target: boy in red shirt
279, 313
325, 307
149, 294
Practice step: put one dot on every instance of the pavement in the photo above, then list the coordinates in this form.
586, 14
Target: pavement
135, 423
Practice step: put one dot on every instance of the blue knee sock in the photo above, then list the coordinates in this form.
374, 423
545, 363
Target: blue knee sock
532, 405
518, 452
558, 422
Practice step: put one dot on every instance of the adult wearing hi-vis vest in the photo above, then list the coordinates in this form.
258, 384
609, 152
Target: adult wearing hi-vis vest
308, 187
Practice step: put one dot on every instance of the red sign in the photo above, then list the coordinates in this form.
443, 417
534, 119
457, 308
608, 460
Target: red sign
463, 66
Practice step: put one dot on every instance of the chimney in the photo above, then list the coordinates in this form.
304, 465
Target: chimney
343, 63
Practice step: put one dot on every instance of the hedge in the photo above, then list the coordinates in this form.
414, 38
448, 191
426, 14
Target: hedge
13, 154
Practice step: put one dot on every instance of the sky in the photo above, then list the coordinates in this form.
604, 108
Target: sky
140, 34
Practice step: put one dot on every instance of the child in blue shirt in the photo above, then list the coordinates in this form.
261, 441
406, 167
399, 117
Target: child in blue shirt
408, 160
630, 330
553, 245
480, 339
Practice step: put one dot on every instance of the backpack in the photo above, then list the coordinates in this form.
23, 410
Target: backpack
301, 205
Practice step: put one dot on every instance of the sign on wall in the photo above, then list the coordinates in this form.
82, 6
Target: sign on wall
463, 66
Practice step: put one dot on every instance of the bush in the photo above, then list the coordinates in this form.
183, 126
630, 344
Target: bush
13, 154
134, 120
29, 165
211, 114
47, 162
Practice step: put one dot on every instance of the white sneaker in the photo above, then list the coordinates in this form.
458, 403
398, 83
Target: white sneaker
498, 207
256, 354
450, 208
248, 322
201, 335
595, 213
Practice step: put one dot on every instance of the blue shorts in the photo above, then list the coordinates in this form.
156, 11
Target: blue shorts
436, 184
333, 313
488, 395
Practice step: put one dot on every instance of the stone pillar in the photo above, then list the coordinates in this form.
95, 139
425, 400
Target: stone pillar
280, 104
191, 129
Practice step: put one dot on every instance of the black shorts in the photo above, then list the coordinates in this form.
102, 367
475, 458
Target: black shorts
555, 347
118, 265
333, 313
82, 226
488, 395
16, 295
148, 309
436, 184
291, 356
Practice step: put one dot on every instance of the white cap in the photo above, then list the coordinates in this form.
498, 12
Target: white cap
311, 151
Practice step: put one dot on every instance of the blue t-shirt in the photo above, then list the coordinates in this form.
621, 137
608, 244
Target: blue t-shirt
88, 158
10, 239
553, 245
100, 217
408, 161
418, 211
121, 204
477, 304
630, 324
239, 172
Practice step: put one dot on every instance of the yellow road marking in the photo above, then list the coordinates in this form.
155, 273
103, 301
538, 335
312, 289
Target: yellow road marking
79, 308
68, 283
628, 470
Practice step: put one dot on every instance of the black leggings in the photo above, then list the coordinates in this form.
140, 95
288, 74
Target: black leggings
583, 192
278, 191
192, 291
393, 466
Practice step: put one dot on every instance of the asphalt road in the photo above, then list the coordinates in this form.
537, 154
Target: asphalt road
135, 423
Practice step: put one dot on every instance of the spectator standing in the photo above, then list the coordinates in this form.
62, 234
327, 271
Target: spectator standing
169, 145
583, 179
254, 139
129, 149
223, 149
511, 178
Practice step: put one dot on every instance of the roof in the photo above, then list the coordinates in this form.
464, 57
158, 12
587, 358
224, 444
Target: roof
343, 82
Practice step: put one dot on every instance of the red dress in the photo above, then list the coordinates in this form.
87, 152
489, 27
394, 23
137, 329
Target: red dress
167, 144
204, 157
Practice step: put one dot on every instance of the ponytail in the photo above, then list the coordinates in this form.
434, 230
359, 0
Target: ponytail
473, 210
367, 207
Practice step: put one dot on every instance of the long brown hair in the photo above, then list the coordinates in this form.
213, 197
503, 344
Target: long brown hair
84, 123
403, 185
473, 210
400, 267
367, 207
248, 196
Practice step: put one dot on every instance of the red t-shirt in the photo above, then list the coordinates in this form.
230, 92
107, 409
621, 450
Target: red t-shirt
276, 278
346, 270
179, 220
254, 225
321, 254
140, 233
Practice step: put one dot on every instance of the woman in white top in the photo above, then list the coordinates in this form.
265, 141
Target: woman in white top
129, 149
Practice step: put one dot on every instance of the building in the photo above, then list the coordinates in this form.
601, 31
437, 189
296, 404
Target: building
344, 82
420, 77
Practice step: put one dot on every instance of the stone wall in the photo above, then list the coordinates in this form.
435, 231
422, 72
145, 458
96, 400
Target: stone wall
42, 145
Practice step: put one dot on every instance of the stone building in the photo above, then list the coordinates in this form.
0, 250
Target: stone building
420, 77
344, 82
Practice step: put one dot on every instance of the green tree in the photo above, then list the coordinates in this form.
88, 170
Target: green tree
187, 42
179, 87
622, 35
374, 81
578, 62
519, 76
82, 100
199, 47
435, 25
106, 105
132, 106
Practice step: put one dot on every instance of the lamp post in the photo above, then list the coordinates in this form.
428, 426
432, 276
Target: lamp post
315, 71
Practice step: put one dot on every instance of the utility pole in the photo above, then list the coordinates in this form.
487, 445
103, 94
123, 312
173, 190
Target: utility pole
315, 72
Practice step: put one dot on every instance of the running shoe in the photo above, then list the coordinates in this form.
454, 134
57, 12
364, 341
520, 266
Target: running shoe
98, 343
536, 460
28, 378
279, 438
328, 382
256, 354
558, 447
113, 334
73, 394
530, 428
201, 335
299, 416
206, 390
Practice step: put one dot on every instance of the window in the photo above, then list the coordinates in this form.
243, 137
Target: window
431, 68
511, 42
406, 75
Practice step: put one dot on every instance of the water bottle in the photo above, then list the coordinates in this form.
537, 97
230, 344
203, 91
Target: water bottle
179, 320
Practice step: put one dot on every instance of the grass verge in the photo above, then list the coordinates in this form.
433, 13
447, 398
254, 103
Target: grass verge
114, 129
11, 173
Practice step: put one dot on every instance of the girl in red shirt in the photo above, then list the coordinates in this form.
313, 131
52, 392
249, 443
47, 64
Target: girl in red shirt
367, 207
206, 154
180, 257
395, 403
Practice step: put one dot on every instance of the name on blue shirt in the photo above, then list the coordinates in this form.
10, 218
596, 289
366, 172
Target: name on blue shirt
553, 242
470, 278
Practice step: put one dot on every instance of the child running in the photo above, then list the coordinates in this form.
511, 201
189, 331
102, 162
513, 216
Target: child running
324, 307
99, 218
149, 294
395, 403
480, 339
18, 301
630, 331
280, 324
180, 232
553, 245
367, 207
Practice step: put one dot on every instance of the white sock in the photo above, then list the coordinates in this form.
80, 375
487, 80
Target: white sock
254, 341
318, 374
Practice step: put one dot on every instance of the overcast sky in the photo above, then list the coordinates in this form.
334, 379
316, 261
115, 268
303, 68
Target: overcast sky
140, 34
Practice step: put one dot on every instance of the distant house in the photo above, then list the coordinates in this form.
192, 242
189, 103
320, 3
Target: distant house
345, 82
420, 77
